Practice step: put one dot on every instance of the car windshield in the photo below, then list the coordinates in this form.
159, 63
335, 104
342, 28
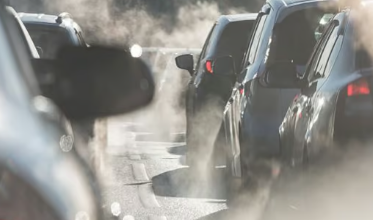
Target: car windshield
49, 39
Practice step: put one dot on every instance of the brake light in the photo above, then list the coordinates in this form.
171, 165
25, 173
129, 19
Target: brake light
209, 66
360, 87
241, 91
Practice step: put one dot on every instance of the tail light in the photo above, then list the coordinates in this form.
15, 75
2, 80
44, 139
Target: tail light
241, 91
360, 87
209, 66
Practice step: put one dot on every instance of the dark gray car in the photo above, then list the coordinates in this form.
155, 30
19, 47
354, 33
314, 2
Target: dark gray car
208, 91
50, 32
284, 37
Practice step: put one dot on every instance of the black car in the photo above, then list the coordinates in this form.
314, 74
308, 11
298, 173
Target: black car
41, 176
285, 35
335, 104
50, 32
208, 91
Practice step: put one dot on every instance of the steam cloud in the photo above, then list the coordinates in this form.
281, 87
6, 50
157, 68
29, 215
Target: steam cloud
338, 189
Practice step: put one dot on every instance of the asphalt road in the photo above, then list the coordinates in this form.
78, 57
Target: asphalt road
149, 181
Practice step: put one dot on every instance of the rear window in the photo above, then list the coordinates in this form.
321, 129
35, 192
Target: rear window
234, 39
50, 39
364, 59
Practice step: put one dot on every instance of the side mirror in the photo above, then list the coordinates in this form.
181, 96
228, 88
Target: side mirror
185, 62
282, 75
92, 82
40, 51
224, 66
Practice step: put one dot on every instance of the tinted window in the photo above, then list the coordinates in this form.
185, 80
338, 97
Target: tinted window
293, 39
234, 39
49, 39
323, 25
364, 60
324, 58
316, 56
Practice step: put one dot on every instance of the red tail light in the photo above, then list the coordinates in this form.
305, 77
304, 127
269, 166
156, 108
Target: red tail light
360, 87
241, 91
209, 66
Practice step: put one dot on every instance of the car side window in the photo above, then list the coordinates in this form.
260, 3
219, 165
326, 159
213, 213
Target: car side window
205, 47
255, 39
317, 58
333, 55
324, 58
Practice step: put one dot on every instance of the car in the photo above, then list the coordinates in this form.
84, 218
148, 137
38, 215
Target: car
335, 104
50, 32
285, 32
41, 177
207, 91
34, 54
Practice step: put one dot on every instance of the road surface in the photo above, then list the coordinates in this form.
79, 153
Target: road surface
149, 181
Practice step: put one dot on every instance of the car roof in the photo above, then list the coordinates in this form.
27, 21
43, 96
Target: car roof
289, 3
240, 17
223, 20
47, 19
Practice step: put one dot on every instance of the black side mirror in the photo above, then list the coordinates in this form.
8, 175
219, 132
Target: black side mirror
185, 62
40, 51
92, 82
224, 66
282, 75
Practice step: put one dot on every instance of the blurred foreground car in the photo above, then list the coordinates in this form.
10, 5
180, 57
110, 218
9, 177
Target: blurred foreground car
335, 105
208, 91
51, 32
284, 35
33, 53
38, 178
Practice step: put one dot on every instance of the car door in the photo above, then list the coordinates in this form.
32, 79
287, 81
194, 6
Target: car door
322, 109
191, 91
289, 133
309, 105
234, 102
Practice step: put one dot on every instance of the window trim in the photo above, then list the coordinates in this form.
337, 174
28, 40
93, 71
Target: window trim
319, 50
259, 19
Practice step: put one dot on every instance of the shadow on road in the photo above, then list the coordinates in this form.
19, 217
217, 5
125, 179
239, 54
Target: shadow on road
220, 215
182, 183
228, 214
179, 150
